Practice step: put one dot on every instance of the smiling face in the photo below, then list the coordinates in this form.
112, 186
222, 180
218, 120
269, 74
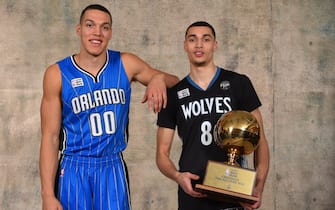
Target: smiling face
95, 31
200, 45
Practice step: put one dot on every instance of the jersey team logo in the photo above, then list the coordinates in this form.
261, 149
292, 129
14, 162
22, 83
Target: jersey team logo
77, 82
225, 85
183, 93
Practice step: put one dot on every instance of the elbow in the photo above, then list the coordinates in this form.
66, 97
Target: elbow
174, 80
158, 161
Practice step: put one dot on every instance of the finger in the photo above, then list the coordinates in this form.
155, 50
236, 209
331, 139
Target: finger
194, 176
145, 98
151, 103
159, 102
248, 206
164, 100
197, 194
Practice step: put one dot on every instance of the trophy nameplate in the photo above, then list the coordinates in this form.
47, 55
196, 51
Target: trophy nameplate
229, 178
237, 132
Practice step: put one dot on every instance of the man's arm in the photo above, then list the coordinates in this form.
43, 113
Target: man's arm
50, 126
156, 81
164, 143
166, 165
261, 159
262, 155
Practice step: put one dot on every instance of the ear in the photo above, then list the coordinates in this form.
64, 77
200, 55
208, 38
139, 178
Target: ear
216, 45
185, 46
78, 29
111, 35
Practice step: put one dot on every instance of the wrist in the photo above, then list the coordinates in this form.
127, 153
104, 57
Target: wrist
259, 186
176, 176
160, 76
46, 194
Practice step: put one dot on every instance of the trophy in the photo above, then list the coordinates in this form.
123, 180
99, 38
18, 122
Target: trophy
237, 132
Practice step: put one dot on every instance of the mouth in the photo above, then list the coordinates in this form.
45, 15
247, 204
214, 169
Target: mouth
199, 53
95, 41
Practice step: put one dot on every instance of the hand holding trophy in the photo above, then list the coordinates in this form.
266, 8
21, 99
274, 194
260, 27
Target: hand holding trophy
237, 132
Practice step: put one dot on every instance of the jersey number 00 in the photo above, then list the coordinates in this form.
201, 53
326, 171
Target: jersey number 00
98, 119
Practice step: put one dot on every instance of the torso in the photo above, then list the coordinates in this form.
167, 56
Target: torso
95, 108
197, 112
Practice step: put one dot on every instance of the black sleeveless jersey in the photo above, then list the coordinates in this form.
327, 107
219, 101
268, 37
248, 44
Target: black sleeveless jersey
195, 112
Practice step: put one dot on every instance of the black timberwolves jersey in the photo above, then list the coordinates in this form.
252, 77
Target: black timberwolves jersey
195, 111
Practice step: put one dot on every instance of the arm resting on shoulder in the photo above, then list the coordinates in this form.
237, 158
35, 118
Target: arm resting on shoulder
155, 80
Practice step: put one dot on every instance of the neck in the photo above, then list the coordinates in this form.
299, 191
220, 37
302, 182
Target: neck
203, 75
91, 63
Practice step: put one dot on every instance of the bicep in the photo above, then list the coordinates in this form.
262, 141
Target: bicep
262, 151
258, 116
51, 103
164, 140
137, 69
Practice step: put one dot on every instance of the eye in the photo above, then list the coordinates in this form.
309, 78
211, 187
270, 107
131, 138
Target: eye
106, 27
207, 39
89, 24
191, 39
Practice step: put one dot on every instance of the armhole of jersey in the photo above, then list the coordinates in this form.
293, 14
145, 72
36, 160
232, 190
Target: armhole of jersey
117, 62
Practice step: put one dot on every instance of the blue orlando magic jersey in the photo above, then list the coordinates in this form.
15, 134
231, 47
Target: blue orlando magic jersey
95, 109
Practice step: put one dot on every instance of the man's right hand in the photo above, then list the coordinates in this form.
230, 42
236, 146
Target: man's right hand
51, 203
184, 180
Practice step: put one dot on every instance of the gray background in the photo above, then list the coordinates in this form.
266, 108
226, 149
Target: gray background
286, 47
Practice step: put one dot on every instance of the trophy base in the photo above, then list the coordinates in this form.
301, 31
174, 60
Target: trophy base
225, 195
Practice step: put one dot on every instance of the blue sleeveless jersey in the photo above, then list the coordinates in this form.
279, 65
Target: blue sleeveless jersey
95, 109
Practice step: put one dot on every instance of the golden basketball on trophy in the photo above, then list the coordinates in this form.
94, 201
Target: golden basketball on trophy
237, 133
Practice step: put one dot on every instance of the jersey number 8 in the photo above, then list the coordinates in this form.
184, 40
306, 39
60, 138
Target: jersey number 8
206, 136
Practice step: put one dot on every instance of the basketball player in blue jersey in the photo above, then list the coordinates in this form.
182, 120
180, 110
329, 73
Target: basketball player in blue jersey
194, 106
86, 96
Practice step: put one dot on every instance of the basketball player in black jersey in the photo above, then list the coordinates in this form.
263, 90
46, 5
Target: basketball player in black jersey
194, 106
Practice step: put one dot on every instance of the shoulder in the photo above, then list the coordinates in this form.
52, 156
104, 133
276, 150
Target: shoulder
132, 62
181, 84
129, 57
52, 76
53, 70
129, 62
181, 88
232, 75
136, 68
64, 60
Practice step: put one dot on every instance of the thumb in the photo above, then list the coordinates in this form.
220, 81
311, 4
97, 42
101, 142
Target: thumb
145, 98
194, 176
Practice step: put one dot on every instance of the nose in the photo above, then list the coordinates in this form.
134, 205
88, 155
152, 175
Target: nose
198, 44
97, 31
